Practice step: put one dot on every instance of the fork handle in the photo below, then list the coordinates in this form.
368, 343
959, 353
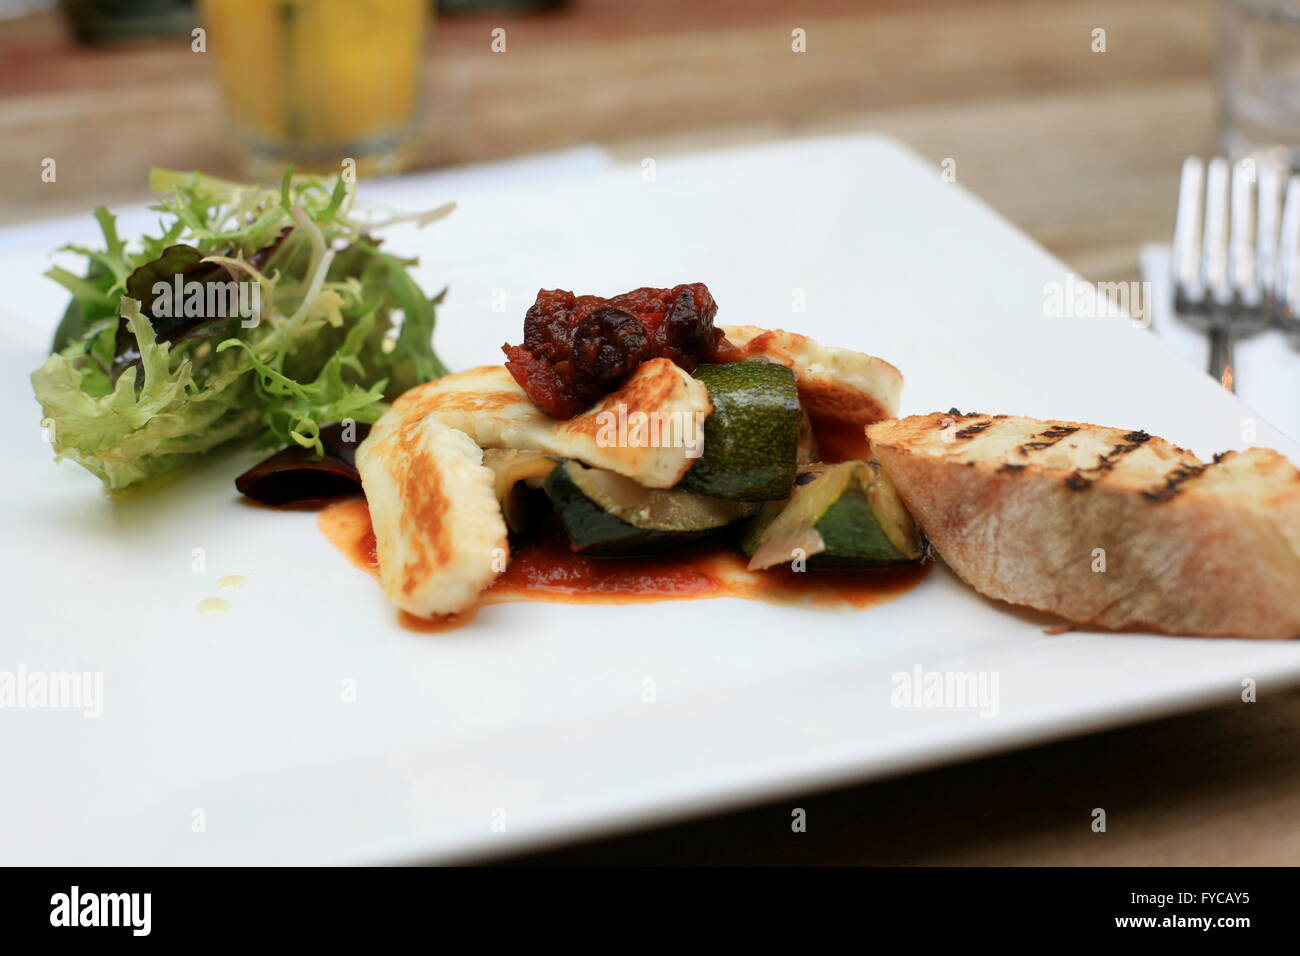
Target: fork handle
1221, 356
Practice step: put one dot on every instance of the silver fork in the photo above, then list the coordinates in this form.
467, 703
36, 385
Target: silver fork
1286, 283
1225, 252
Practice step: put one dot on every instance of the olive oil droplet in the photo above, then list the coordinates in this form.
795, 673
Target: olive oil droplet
214, 606
231, 581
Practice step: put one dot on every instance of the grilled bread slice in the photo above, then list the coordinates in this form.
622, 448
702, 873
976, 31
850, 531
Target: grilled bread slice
488, 405
1102, 526
836, 385
439, 534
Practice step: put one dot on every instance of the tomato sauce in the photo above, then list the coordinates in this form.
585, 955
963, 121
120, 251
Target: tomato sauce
544, 569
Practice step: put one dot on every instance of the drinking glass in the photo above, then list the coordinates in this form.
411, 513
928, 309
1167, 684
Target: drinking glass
315, 82
1259, 78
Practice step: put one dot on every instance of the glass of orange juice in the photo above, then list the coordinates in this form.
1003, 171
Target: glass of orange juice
316, 82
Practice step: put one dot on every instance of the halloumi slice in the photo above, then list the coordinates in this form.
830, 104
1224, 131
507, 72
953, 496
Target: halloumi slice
439, 533
487, 404
837, 385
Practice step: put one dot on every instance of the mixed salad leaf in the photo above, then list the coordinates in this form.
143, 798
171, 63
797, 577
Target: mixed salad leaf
255, 313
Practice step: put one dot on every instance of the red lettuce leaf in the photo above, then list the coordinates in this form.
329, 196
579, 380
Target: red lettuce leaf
184, 262
295, 477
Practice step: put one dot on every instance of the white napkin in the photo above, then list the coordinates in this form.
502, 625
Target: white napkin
1267, 365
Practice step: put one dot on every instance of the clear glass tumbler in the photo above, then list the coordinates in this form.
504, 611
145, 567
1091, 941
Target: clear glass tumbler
316, 82
1259, 78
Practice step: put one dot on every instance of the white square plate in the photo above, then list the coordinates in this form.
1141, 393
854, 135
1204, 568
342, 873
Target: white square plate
533, 724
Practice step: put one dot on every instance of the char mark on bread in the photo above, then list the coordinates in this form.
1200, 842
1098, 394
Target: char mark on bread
1024, 509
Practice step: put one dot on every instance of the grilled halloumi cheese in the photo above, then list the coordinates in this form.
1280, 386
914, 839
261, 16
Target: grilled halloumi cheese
439, 533
837, 385
487, 404
1105, 527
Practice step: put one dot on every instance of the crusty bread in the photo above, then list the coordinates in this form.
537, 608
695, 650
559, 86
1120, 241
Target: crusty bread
1102, 526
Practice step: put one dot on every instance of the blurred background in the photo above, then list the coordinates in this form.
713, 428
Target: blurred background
1076, 135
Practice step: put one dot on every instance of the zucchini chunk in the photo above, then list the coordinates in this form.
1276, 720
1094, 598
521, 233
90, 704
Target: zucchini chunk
610, 514
842, 515
510, 467
752, 437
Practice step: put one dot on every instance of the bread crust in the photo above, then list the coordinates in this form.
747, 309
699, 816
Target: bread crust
1103, 527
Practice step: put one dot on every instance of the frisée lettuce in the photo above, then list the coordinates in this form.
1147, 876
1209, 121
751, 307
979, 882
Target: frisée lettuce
255, 313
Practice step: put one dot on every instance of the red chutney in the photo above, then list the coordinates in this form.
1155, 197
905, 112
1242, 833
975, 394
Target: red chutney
579, 348
545, 569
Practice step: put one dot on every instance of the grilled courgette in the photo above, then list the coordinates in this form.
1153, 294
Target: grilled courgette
841, 515
607, 513
511, 468
751, 439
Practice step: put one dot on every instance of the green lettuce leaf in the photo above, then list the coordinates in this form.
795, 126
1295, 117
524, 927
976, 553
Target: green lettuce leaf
325, 347
132, 434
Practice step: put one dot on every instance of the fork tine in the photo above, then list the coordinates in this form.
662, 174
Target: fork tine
1226, 277
1287, 279
1214, 249
1243, 275
1268, 195
1186, 253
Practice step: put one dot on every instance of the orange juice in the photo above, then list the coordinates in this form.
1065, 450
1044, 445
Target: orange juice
314, 82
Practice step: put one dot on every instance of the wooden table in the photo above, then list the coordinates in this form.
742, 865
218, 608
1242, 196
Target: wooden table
1079, 148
